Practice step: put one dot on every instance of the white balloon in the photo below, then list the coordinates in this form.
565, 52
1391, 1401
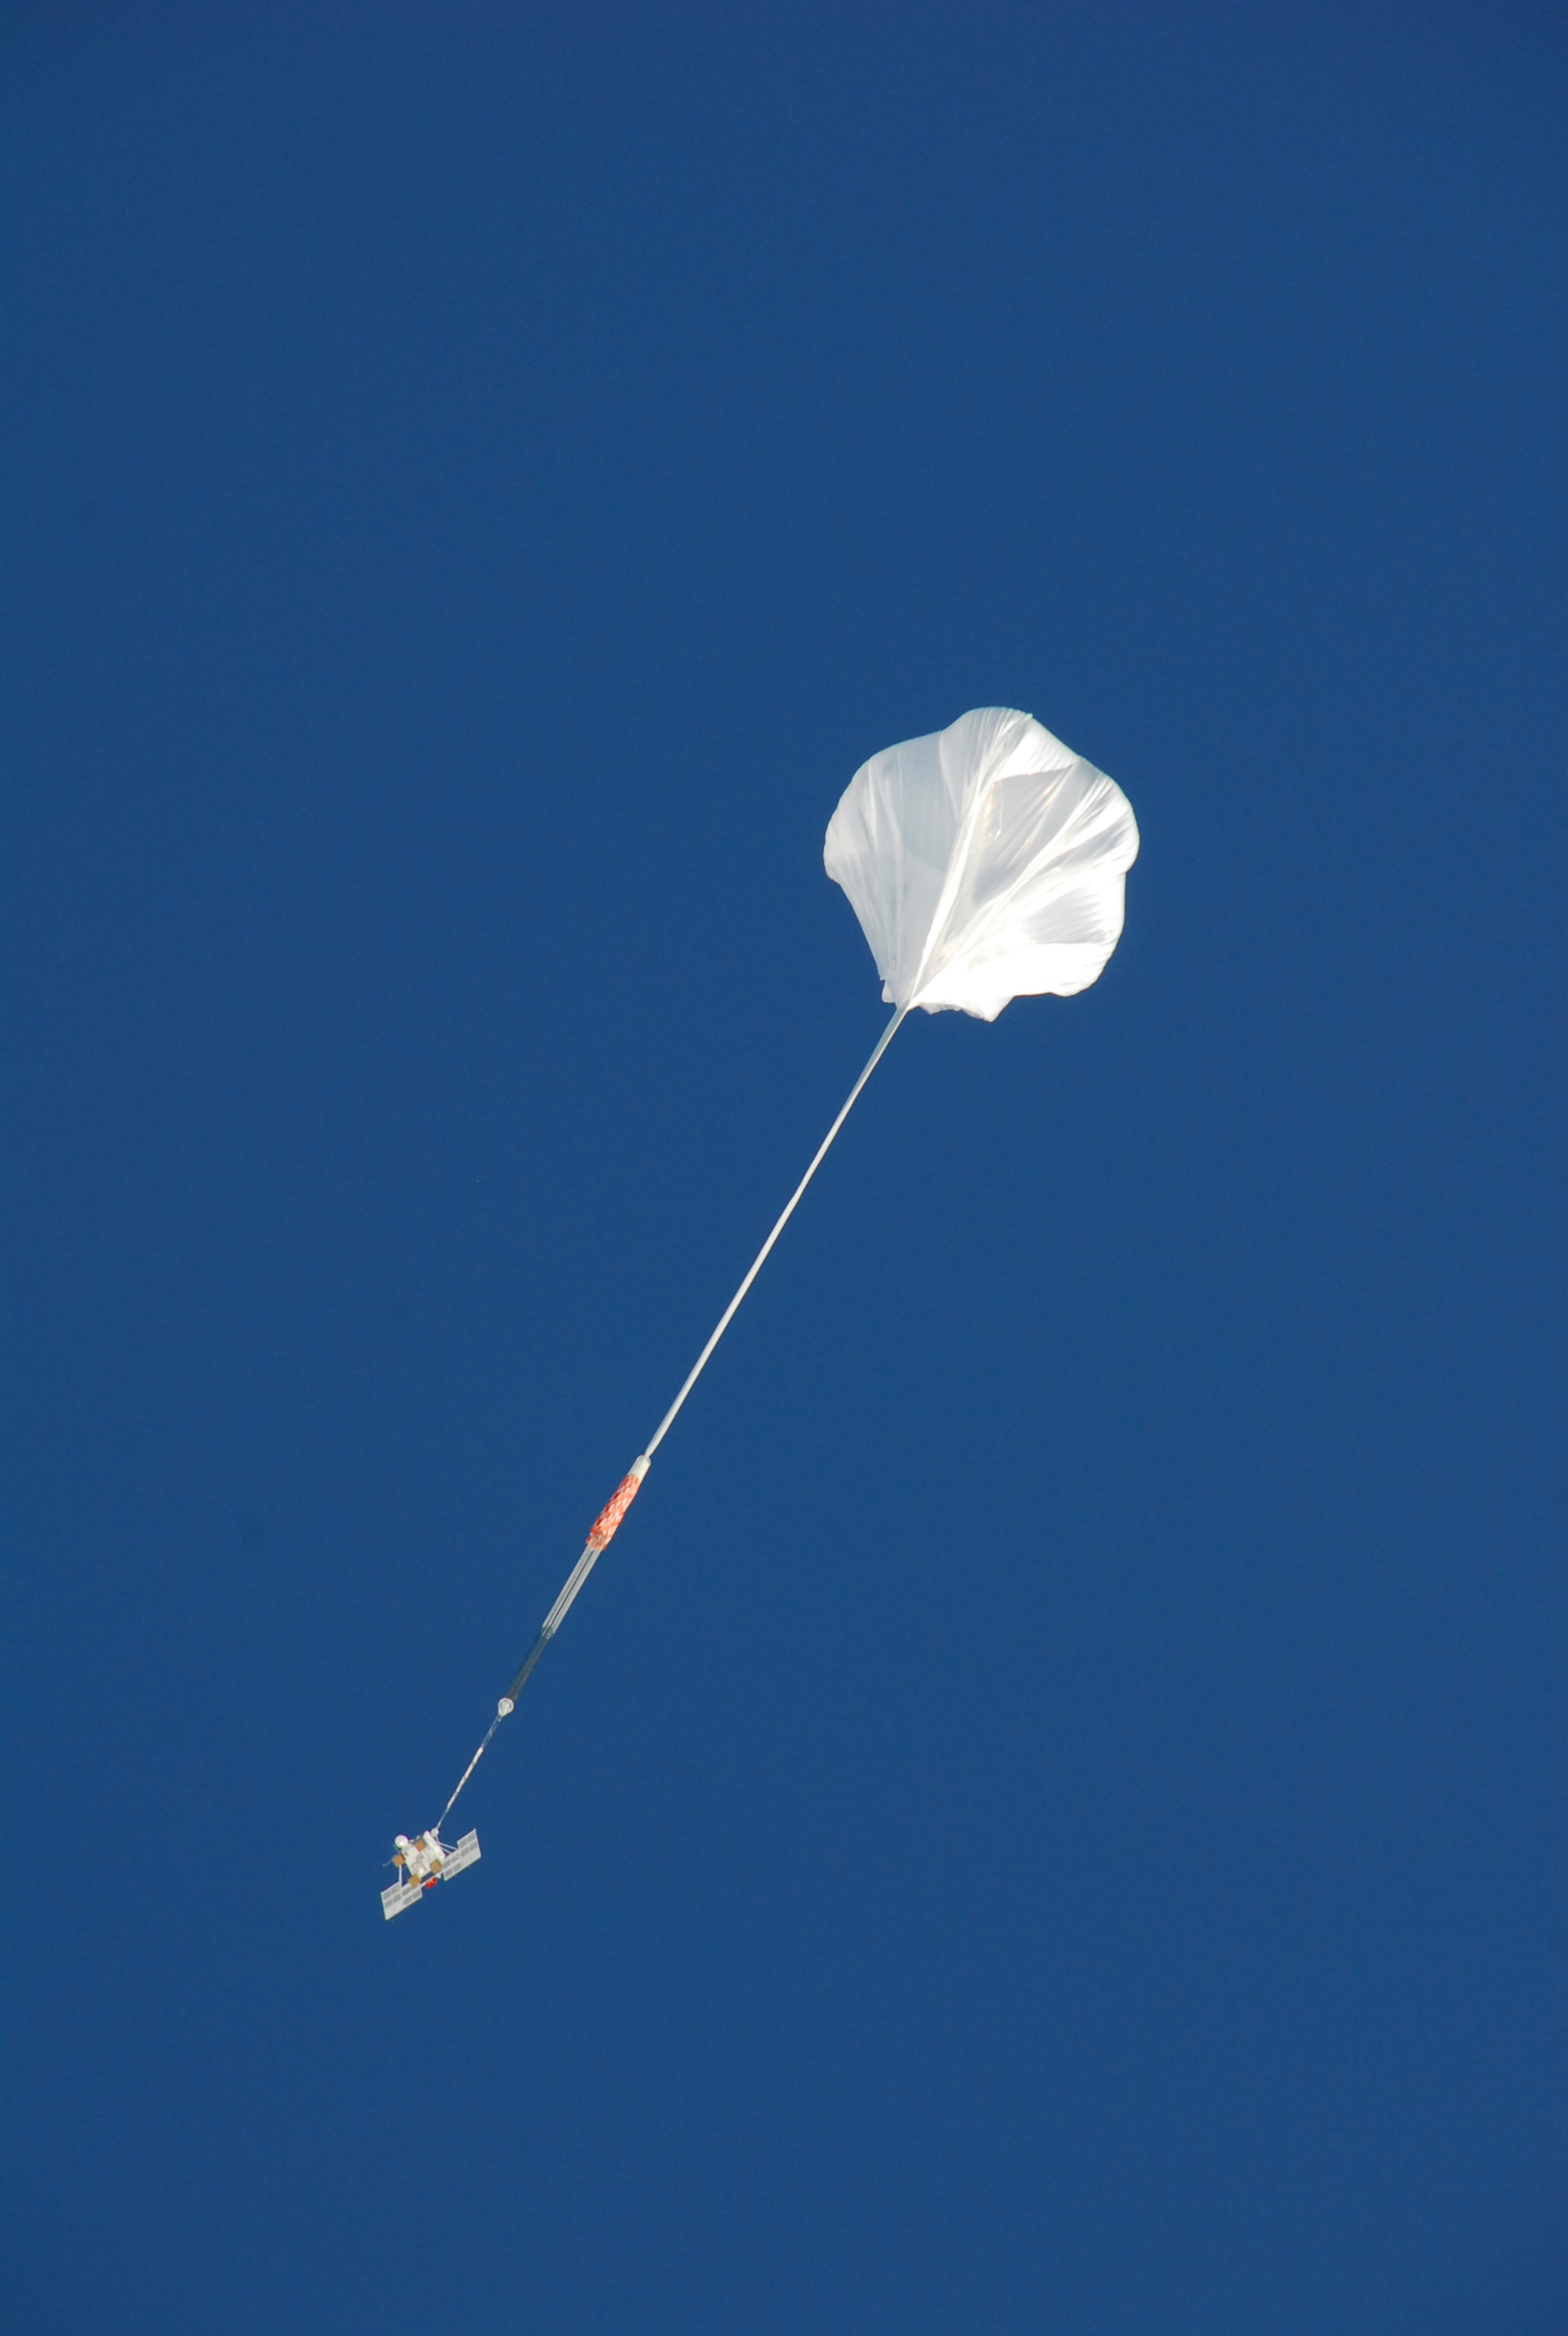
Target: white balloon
985, 863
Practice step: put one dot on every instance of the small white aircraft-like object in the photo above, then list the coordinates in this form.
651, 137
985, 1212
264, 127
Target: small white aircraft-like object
424, 1861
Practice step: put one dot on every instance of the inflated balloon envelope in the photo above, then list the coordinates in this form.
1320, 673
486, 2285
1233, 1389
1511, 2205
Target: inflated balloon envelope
985, 863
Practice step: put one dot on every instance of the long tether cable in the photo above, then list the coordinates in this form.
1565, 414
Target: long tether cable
604, 1525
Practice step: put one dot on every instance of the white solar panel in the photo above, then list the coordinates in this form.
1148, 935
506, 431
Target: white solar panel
465, 1853
401, 1895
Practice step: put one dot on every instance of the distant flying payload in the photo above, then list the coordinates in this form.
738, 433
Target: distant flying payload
422, 1862
985, 863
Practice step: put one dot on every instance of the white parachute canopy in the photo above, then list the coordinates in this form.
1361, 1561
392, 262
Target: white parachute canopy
985, 863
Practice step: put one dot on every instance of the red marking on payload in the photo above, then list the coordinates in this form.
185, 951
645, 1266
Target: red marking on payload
614, 1509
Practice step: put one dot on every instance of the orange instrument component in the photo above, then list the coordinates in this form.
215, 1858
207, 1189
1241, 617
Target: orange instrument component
603, 1531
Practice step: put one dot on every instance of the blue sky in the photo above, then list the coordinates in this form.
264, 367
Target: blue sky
1048, 1816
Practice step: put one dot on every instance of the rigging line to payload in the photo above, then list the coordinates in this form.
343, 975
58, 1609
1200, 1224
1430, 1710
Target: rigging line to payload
603, 1529
985, 863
